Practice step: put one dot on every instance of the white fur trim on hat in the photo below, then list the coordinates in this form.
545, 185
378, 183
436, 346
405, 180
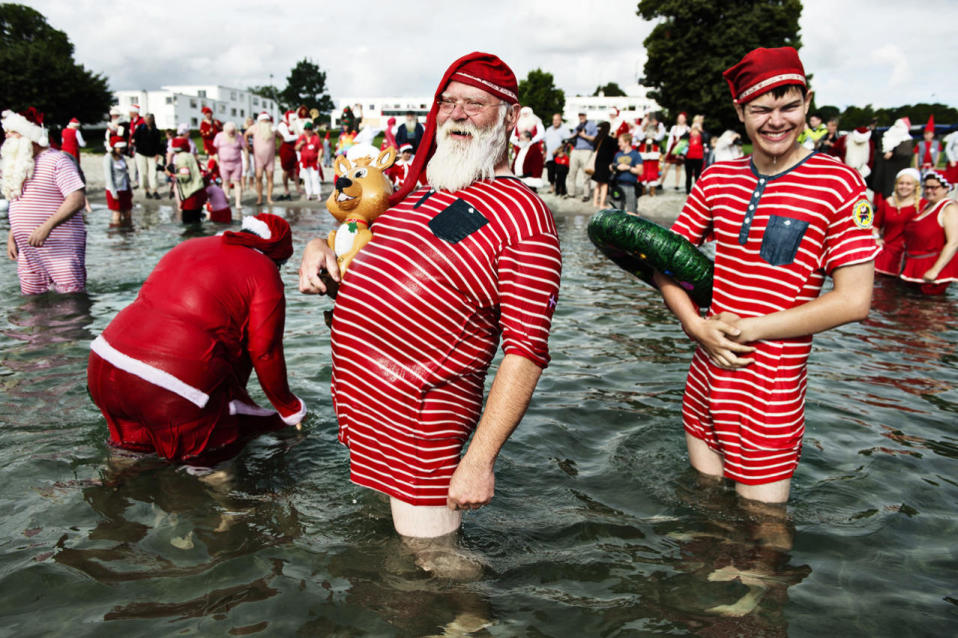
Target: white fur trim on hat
357, 151
263, 117
257, 226
14, 122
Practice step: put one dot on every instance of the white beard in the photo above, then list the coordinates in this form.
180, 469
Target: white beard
458, 163
16, 164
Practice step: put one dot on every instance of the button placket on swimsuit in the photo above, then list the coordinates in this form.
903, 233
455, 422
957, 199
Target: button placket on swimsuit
752, 205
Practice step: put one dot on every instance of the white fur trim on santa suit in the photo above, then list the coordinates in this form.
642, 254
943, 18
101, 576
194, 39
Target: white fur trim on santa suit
857, 152
238, 407
14, 122
148, 373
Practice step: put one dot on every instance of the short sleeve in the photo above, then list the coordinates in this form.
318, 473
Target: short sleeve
695, 221
849, 239
529, 273
67, 175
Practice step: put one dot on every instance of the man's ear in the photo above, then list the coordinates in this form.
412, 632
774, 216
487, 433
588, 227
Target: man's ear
740, 111
808, 101
512, 115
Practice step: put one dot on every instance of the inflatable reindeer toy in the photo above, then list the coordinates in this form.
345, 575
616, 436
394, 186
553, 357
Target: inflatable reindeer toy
360, 194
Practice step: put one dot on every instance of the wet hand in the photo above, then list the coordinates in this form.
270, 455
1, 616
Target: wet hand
318, 258
718, 336
12, 251
472, 486
38, 236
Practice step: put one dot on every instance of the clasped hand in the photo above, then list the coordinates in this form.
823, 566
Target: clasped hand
724, 337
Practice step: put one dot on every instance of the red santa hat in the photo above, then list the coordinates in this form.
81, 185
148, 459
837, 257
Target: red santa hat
289, 116
861, 134
762, 70
936, 175
405, 147
134, 108
207, 110
117, 142
29, 124
480, 70
264, 117
180, 144
265, 232
930, 126
74, 123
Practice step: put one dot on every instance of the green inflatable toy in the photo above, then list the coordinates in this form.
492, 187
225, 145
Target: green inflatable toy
641, 247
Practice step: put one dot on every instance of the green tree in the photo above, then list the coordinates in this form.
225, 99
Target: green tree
37, 69
695, 40
306, 85
268, 91
611, 89
539, 92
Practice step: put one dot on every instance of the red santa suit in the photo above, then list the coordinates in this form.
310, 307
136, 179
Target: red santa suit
169, 372
287, 150
208, 130
71, 139
650, 152
528, 163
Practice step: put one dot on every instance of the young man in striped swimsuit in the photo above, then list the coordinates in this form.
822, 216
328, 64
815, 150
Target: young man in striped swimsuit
782, 220
451, 266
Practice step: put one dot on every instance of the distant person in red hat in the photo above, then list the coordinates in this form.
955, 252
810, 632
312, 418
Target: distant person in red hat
71, 139
169, 373
783, 219
928, 150
116, 180
454, 263
47, 238
208, 130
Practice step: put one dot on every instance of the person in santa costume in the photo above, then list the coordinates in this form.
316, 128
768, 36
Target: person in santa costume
114, 127
951, 157
389, 135
116, 183
71, 139
287, 153
891, 217
208, 130
857, 150
310, 151
190, 185
895, 154
400, 169
169, 372
783, 219
931, 239
928, 149
528, 161
452, 266
528, 121
47, 238
650, 152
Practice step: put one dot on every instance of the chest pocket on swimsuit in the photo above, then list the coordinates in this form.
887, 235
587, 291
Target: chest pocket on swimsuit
781, 239
458, 221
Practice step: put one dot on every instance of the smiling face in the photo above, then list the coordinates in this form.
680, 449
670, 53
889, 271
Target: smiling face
905, 187
934, 190
774, 123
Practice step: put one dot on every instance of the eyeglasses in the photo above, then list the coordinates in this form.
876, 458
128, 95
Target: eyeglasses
930, 187
471, 107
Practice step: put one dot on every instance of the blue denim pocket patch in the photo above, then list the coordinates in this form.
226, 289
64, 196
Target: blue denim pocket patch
781, 239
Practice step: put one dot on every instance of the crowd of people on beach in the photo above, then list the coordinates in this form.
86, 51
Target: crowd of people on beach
466, 254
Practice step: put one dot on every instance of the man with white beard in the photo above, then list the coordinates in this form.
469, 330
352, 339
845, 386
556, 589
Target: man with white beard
454, 263
47, 238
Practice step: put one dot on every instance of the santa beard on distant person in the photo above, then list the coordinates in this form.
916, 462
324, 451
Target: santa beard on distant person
16, 165
458, 163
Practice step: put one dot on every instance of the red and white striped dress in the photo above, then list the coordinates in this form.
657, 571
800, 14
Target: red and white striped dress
777, 238
418, 320
61, 262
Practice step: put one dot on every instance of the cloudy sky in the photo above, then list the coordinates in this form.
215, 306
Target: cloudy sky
881, 52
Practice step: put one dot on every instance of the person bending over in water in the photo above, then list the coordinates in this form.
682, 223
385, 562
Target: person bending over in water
169, 372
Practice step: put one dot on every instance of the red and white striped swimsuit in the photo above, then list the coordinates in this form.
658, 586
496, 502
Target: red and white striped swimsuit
418, 321
777, 237
61, 262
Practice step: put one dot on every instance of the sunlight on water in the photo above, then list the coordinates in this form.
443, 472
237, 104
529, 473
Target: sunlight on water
598, 526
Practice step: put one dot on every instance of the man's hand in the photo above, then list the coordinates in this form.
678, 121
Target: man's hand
471, 486
12, 251
717, 336
930, 275
39, 235
317, 257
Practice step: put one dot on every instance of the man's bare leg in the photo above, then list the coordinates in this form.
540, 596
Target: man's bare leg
703, 458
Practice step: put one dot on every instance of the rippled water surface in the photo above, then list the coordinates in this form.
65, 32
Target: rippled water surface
598, 527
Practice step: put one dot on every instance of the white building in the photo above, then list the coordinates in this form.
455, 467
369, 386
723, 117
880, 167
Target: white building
173, 105
632, 106
377, 110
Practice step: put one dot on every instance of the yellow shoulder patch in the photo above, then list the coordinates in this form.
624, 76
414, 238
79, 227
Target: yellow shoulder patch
862, 214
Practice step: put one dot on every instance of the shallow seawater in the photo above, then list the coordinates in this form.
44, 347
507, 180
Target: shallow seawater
598, 527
